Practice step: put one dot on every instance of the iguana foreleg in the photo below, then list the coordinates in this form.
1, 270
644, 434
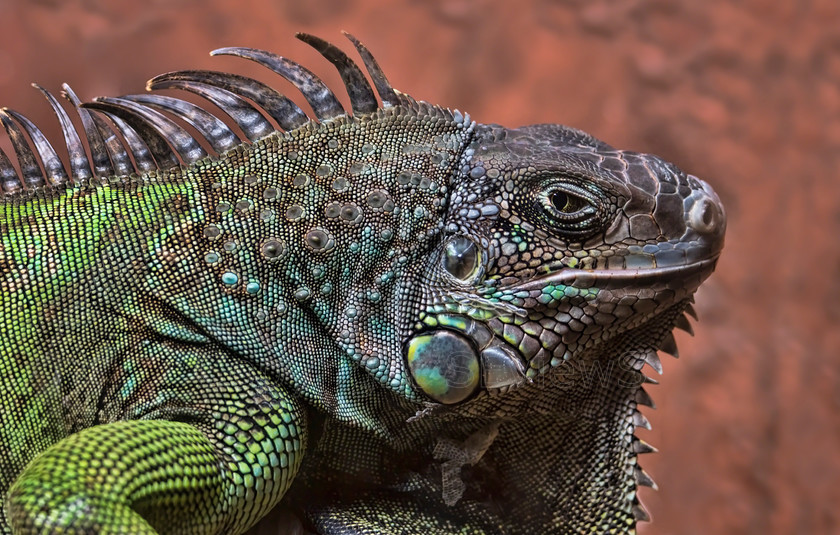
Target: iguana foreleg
217, 468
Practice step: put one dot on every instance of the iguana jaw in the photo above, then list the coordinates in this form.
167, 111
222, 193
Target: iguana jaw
693, 273
512, 347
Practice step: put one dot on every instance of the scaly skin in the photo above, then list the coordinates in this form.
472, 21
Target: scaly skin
394, 322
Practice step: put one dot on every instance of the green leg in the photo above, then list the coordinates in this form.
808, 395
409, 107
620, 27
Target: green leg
224, 465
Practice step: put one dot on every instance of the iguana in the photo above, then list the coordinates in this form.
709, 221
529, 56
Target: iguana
387, 320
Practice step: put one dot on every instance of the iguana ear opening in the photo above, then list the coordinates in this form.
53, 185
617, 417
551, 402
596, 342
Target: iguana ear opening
461, 258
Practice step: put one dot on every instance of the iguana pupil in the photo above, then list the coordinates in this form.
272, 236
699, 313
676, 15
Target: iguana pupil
563, 202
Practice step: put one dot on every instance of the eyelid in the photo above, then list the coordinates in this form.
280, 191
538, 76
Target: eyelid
582, 197
580, 223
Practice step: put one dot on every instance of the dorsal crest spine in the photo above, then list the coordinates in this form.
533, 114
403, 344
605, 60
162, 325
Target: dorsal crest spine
139, 133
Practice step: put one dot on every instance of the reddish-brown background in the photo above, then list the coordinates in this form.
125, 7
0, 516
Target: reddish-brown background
744, 94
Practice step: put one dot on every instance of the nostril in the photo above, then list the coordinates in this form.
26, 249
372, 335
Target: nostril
705, 216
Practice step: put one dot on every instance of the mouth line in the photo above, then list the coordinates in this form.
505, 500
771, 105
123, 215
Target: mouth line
585, 278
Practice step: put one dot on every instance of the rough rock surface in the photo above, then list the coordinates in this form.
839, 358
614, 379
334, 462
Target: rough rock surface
745, 95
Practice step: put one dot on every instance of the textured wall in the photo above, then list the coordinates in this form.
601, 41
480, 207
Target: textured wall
744, 94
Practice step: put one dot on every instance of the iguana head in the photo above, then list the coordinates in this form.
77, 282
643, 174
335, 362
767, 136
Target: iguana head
561, 268
555, 244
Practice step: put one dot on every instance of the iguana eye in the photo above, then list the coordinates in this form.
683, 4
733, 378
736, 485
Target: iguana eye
566, 203
461, 258
570, 208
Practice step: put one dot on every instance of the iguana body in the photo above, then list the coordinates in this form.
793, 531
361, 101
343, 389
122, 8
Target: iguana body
395, 321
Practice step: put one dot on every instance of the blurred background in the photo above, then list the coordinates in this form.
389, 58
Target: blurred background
743, 94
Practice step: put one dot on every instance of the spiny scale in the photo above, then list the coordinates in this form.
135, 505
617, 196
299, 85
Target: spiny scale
639, 420
652, 358
285, 113
640, 513
155, 130
683, 324
361, 95
29, 168
669, 345
9, 180
79, 166
689, 309
98, 151
213, 129
642, 447
316, 92
643, 478
383, 87
55, 173
119, 157
140, 137
246, 116
643, 398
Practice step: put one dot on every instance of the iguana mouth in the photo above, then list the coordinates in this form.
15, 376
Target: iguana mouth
586, 278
